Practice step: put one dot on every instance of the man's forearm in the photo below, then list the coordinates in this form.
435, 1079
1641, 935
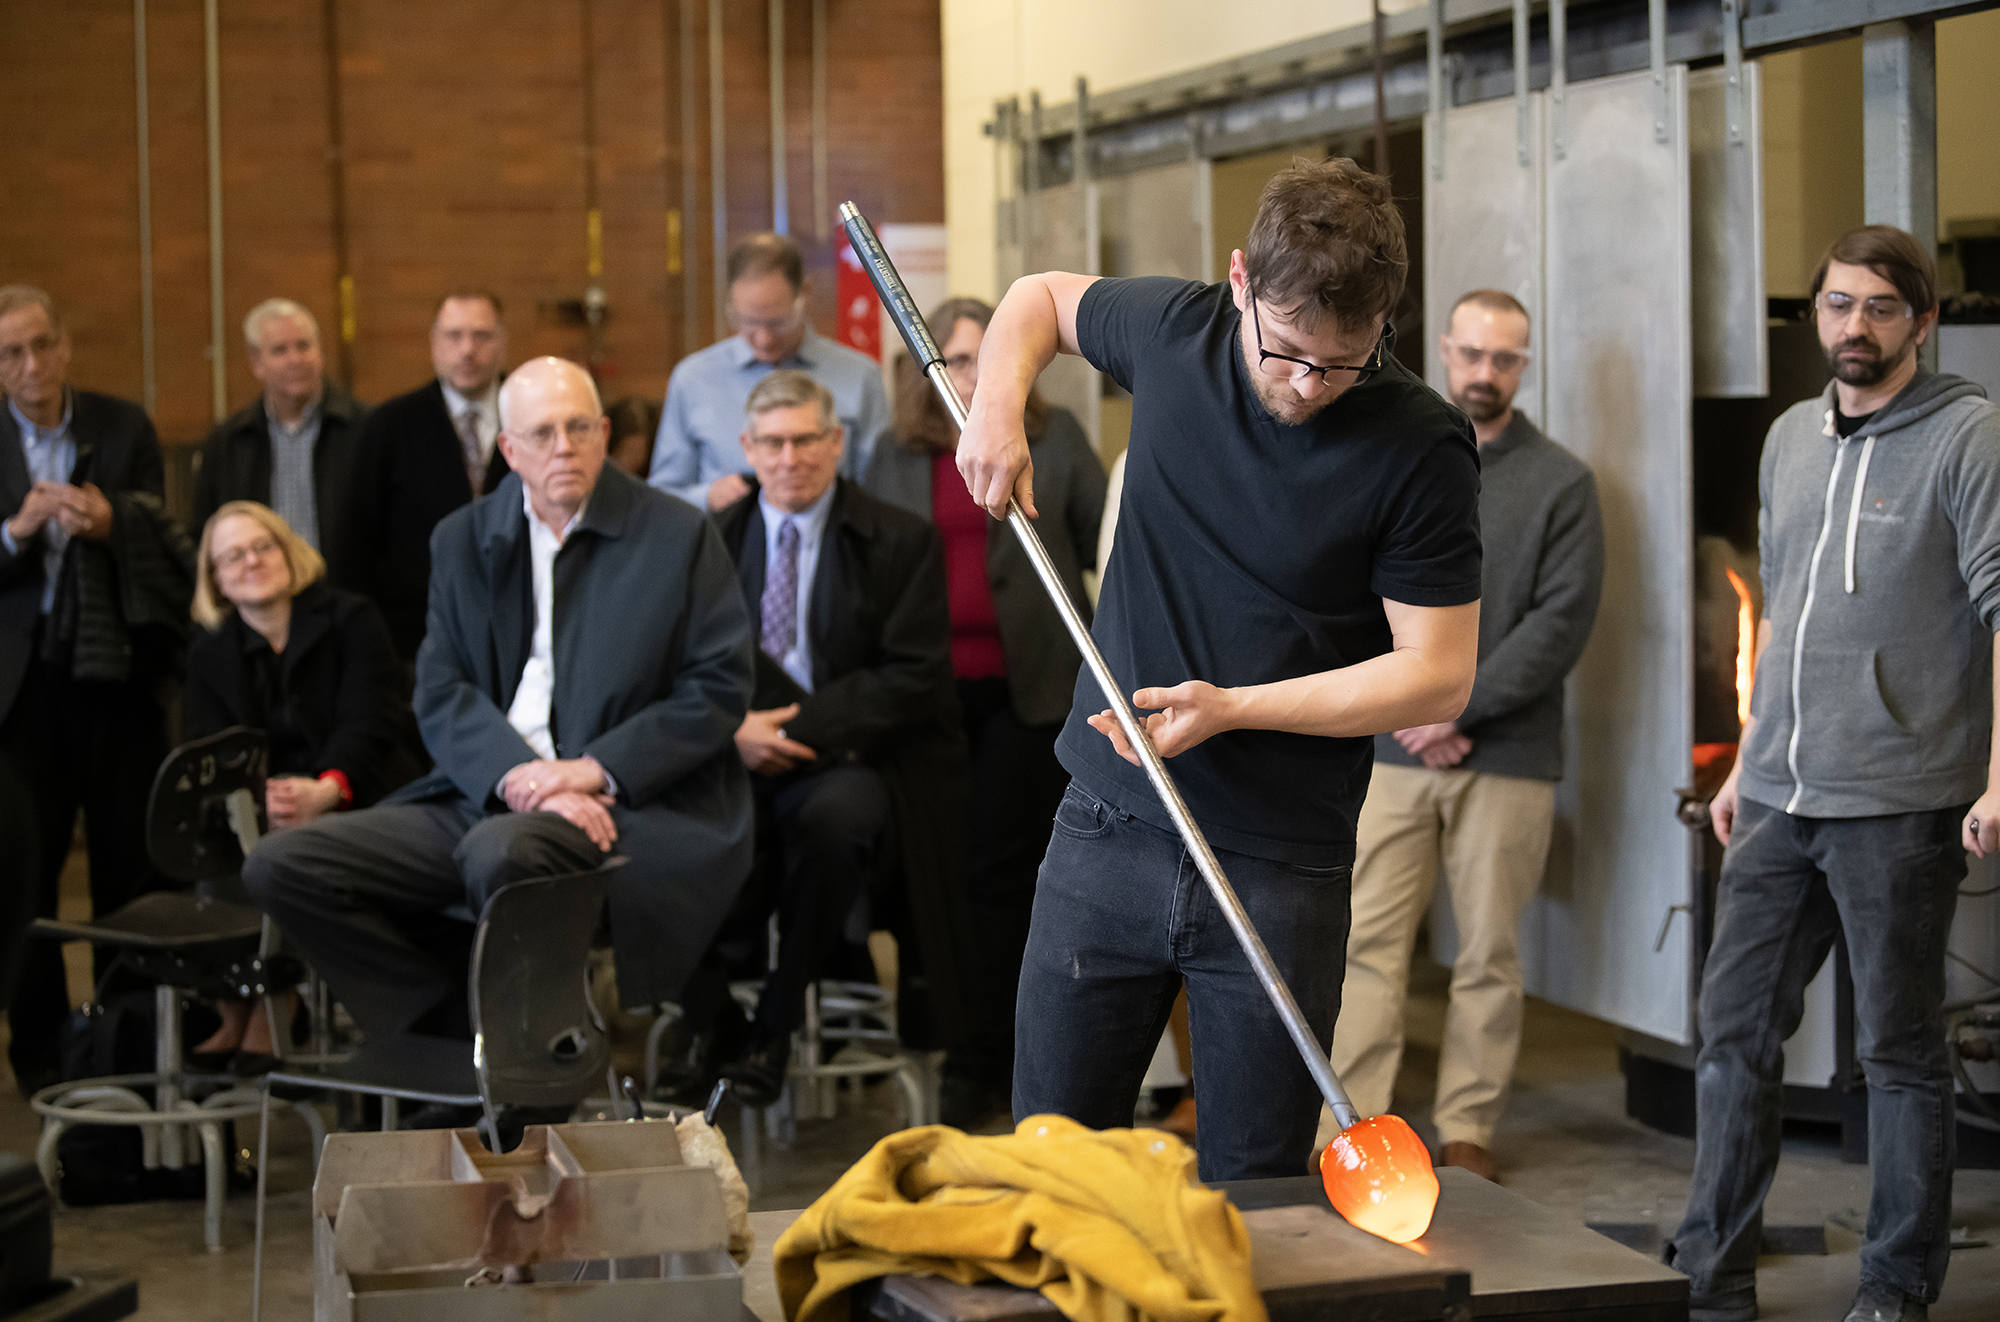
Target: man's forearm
1023, 338
1993, 752
1390, 692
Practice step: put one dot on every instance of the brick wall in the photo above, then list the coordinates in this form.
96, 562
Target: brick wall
464, 163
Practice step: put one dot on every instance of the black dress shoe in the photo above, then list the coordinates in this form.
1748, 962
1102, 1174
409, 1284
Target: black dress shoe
966, 1103
252, 1064
759, 1074
513, 1121
687, 1065
1885, 1303
440, 1115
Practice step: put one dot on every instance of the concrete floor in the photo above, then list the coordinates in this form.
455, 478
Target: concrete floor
1565, 1143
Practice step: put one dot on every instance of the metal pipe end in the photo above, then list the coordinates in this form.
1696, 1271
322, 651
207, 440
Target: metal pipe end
848, 211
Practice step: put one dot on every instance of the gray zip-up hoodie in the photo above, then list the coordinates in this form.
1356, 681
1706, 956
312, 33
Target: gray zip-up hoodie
1881, 569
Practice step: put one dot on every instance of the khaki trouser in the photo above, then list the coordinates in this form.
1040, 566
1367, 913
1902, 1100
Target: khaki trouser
1491, 833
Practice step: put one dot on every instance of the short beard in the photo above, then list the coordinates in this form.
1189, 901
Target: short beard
1483, 408
1281, 401
1871, 371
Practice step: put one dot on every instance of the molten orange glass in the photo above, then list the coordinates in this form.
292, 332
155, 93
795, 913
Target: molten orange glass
1746, 644
1378, 1175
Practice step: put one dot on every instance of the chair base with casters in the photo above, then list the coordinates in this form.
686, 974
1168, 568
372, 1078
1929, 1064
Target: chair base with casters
538, 1040
184, 941
201, 820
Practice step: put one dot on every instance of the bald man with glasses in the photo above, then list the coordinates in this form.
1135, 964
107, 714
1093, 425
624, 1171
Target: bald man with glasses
696, 455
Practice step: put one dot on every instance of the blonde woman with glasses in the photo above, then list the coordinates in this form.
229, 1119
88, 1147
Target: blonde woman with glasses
311, 666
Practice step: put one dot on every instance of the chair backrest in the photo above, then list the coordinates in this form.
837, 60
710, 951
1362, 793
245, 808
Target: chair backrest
189, 831
537, 1038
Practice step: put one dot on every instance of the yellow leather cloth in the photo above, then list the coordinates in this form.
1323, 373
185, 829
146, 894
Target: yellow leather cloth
1110, 1225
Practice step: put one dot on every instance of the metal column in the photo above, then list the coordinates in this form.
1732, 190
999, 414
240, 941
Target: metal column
1899, 133
718, 169
147, 365
781, 207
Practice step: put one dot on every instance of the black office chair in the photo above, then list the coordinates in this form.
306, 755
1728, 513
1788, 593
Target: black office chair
538, 1040
201, 819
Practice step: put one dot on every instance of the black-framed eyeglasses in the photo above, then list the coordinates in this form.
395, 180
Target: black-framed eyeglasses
799, 441
1302, 368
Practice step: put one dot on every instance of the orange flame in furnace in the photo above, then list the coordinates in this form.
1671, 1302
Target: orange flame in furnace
1746, 645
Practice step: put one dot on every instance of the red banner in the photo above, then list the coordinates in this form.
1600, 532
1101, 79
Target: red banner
859, 324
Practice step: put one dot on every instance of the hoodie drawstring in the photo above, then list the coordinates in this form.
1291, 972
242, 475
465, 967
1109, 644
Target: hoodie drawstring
1854, 509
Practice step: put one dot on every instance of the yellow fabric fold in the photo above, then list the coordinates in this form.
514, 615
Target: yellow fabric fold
1110, 1225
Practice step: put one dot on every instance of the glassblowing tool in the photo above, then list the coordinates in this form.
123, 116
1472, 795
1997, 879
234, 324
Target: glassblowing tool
1377, 1171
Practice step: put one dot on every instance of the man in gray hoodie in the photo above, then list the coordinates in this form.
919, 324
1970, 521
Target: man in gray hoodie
1863, 776
1477, 794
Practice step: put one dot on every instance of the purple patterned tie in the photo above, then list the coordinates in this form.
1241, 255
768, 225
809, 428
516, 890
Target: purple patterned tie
781, 595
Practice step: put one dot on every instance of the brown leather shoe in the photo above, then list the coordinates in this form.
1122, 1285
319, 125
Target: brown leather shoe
1472, 1157
1180, 1121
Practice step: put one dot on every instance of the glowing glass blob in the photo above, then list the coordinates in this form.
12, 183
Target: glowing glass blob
1378, 1175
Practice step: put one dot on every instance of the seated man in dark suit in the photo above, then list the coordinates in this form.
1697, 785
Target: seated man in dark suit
853, 738
421, 456
587, 661
293, 447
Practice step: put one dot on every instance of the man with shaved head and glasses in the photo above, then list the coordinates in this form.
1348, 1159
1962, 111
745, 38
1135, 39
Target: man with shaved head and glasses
1296, 570
1476, 794
586, 662
1863, 776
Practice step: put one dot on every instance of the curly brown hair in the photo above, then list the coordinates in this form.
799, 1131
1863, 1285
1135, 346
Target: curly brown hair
1327, 242
921, 424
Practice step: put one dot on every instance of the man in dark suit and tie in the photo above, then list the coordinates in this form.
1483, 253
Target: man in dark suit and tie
421, 456
80, 722
853, 742
587, 662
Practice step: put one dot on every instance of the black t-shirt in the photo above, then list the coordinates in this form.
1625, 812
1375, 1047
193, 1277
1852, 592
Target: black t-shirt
1249, 551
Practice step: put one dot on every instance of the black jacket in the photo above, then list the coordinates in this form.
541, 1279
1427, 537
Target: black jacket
652, 669
409, 472
1069, 490
236, 465
116, 448
880, 625
342, 678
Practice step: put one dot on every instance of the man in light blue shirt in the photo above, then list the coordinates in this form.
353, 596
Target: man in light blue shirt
696, 455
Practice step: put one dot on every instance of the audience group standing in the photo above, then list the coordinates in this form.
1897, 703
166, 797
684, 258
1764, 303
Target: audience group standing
843, 660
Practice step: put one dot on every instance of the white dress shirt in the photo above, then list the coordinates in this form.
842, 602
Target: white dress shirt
811, 523
488, 405
533, 699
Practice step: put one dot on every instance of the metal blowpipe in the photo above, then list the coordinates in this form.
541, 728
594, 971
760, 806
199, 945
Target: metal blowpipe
923, 348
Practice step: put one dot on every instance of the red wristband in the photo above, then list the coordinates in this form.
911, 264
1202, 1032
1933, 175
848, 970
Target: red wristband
346, 790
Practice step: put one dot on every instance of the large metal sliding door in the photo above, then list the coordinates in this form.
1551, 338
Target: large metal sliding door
1483, 228
1611, 934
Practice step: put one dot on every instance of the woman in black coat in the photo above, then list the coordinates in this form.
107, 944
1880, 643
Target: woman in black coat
311, 666
1016, 674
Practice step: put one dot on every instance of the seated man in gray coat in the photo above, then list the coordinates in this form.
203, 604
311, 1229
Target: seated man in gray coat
586, 663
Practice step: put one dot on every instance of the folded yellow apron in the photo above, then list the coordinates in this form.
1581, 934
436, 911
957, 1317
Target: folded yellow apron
1110, 1225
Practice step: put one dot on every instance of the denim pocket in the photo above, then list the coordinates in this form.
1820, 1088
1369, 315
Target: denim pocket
1339, 874
1080, 816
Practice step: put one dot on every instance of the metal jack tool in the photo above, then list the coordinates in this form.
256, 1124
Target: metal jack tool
1377, 1172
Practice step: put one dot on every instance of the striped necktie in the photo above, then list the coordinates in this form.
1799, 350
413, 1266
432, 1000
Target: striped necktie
475, 460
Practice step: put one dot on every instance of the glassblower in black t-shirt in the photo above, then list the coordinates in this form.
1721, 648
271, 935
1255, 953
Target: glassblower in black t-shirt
1296, 569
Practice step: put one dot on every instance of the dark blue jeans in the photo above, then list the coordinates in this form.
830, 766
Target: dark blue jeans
1121, 917
1788, 884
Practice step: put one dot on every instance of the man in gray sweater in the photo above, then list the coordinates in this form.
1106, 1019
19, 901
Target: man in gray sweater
1478, 793
1863, 776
